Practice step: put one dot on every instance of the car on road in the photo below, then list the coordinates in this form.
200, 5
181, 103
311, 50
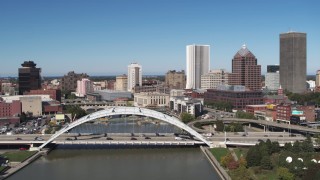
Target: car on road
18, 138
133, 138
227, 139
38, 139
109, 138
147, 137
23, 149
178, 138
265, 136
69, 139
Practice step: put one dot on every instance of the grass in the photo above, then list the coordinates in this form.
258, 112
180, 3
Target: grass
2, 168
263, 174
219, 152
240, 152
18, 156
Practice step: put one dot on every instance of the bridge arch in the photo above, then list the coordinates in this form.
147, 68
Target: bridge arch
127, 111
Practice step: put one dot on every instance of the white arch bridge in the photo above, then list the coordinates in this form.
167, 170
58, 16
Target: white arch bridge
127, 111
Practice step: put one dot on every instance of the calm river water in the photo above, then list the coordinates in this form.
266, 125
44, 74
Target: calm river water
95, 163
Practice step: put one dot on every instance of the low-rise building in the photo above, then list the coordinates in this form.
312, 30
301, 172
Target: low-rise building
31, 105
110, 95
10, 109
236, 95
186, 104
177, 92
53, 93
151, 99
214, 78
284, 112
253, 108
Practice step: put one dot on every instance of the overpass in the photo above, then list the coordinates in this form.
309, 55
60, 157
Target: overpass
261, 122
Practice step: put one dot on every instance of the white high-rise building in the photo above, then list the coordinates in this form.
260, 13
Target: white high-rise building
272, 81
134, 76
214, 78
198, 63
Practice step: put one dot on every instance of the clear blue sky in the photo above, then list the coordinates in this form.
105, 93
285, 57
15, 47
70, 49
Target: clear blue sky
102, 37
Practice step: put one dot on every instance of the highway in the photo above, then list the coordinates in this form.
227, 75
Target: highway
168, 138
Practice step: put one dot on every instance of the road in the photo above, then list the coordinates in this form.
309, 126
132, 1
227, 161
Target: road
252, 137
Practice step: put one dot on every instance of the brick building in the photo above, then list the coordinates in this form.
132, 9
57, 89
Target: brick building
53, 93
284, 112
238, 99
69, 81
245, 71
10, 109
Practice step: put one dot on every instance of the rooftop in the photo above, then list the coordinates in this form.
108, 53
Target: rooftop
244, 51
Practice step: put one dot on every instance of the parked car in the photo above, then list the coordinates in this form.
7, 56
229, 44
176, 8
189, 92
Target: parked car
23, 149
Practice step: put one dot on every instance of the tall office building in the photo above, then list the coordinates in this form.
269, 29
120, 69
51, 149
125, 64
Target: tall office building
293, 61
29, 77
214, 78
245, 70
198, 63
69, 81
175, 79
134, 76
84, 86
122, 83
272, 79
318, 78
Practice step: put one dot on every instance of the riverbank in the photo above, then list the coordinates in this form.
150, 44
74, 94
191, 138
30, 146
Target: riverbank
215, 164
16, 166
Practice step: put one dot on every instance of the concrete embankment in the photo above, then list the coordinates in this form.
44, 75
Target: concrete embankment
215, 164
23, 164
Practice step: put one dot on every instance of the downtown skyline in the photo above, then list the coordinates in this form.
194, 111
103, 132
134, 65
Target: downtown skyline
103, 38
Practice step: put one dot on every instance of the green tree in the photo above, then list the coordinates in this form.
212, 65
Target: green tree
307, 145
242, 161
317, 140
241, 173
219, 125
275, 148
186, 117
75, 111
284, 174
244, 115
266, 163
287, 147
253, 156
225, 160
296, 148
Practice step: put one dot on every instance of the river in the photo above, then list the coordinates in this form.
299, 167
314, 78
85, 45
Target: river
119, 163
